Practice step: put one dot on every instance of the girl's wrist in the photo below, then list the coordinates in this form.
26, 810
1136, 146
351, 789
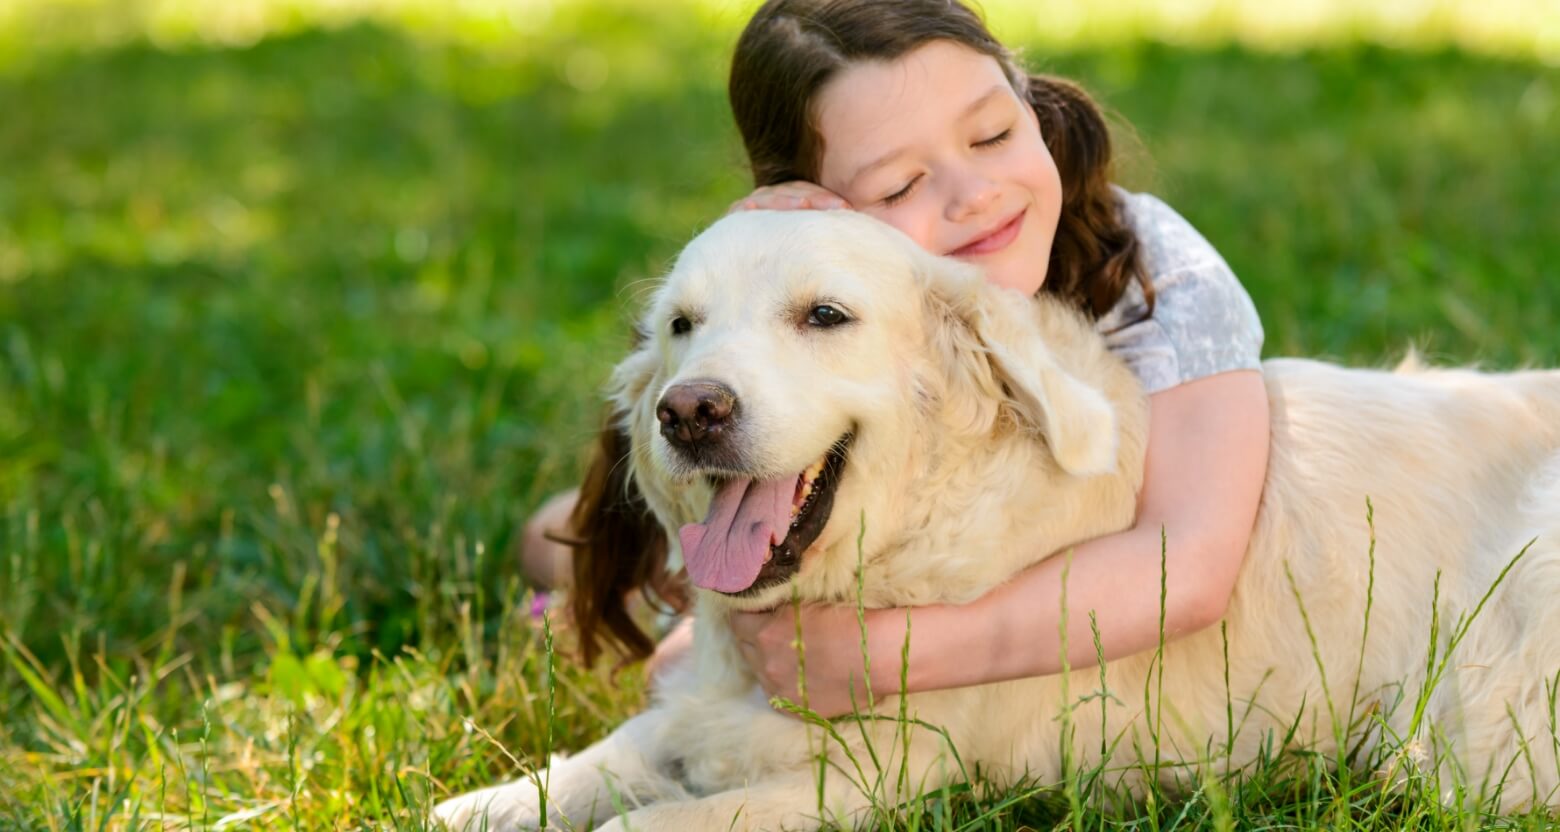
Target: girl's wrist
885, 646
951, 645
936, 659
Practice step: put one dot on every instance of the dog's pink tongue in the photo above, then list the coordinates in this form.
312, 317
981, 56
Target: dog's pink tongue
725, 552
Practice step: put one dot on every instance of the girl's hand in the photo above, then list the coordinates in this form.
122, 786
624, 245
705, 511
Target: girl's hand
789, 195
831, 636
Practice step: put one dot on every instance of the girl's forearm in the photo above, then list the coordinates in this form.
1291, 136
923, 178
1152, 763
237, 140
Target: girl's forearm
1207, 458
1016, 630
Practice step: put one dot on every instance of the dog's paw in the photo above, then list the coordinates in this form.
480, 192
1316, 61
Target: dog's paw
615, 824
497, 809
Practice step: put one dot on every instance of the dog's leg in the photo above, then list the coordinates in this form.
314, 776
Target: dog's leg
789, 803
617, 774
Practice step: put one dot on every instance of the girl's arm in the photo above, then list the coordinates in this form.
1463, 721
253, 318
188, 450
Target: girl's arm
1207, 458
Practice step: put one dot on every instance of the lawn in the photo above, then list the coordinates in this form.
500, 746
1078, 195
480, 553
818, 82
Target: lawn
295, 329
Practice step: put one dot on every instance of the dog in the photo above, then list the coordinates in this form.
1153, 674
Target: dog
822, 411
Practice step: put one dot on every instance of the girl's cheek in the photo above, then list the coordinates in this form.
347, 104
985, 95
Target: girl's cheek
900, 217
1025, 157
921, 217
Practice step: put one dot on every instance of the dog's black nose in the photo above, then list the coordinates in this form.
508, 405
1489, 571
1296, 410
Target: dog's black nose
695, 413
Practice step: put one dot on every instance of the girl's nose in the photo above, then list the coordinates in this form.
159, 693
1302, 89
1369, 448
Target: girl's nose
973, 197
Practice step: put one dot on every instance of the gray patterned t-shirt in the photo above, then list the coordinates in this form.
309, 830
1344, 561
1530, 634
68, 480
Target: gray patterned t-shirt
1204, 323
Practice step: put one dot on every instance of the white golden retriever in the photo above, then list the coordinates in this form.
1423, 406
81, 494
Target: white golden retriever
804, 370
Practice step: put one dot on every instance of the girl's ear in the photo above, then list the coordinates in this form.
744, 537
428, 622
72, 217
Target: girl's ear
993, 345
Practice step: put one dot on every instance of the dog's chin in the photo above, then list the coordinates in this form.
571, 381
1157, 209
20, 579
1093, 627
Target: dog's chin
775, 596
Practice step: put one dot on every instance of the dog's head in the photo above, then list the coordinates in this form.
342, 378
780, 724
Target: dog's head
798, 372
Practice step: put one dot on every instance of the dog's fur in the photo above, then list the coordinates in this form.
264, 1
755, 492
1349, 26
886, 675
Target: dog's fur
991, 430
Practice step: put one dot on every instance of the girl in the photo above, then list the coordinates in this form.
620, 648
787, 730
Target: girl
910, 111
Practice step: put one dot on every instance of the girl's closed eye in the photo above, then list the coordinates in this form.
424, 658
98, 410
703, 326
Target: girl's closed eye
996, 140
903, 193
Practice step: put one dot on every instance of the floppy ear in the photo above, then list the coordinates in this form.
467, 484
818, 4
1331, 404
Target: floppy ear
634, 373
995, 339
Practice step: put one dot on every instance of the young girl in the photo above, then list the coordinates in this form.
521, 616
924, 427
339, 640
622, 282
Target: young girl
909, 110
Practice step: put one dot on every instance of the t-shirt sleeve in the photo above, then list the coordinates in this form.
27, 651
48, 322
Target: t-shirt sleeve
1203, 320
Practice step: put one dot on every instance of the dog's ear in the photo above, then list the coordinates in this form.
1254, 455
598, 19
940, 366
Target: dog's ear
633, 374
994, 341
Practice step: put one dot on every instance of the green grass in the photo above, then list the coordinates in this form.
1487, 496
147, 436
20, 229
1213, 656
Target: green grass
293, 335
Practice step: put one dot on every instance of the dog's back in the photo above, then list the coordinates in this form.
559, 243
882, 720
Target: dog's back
1408, 491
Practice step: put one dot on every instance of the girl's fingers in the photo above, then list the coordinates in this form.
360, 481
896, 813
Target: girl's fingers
784, 198
824, 200
784, 202
777, 201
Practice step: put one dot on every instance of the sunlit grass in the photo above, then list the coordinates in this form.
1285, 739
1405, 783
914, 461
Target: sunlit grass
1512, 28
1525, 28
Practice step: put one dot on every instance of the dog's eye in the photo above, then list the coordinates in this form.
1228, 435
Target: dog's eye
681, 325
824, 315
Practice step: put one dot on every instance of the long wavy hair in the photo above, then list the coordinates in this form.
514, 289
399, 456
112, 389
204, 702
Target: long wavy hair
788, 52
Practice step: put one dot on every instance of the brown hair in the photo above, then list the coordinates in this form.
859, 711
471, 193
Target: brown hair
618, 548
788, 52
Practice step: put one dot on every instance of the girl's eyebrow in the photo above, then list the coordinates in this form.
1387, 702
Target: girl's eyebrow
988, 95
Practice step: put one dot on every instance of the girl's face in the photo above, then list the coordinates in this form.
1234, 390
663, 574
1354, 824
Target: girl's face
938, 145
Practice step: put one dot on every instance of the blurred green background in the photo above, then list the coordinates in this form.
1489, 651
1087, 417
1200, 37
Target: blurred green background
305, 305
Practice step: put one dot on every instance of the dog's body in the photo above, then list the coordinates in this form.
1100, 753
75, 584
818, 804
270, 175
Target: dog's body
986, 432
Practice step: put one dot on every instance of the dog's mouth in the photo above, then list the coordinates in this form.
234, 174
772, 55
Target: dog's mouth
757, 530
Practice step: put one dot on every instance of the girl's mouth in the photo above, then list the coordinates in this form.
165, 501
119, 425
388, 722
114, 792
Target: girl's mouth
998, 239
